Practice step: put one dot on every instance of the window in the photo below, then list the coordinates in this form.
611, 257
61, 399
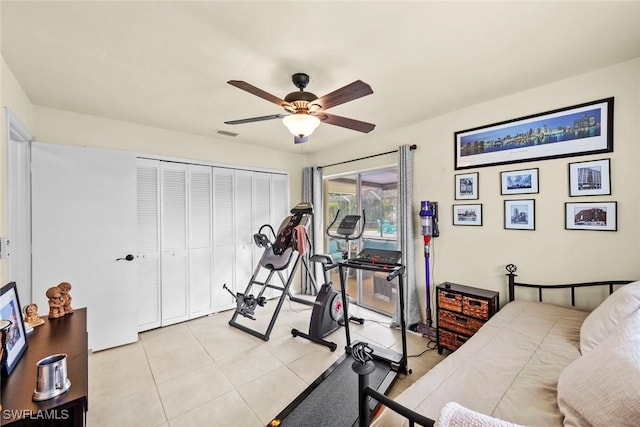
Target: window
376, 193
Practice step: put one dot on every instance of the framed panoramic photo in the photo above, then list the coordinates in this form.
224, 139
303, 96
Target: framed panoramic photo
467, 186
571, 131
467, 214
15, 339
523, 181
591, 178
600, 216
520, 214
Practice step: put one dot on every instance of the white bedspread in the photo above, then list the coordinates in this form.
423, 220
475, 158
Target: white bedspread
509, 369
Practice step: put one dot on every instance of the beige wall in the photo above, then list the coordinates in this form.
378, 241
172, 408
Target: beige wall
477, 255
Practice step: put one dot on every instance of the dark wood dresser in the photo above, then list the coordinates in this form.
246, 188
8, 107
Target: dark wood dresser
462, 310
67, 334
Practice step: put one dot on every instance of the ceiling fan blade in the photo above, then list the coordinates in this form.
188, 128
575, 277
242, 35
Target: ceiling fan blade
346, 122
347, 93
256, 119
258, 92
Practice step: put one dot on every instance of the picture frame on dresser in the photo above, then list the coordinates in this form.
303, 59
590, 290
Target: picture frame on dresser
15, 338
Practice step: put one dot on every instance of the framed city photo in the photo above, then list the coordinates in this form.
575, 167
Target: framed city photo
523, 181
467, 186
520, 214
467, 214
15, 336
600, 216
571, 131
591, 178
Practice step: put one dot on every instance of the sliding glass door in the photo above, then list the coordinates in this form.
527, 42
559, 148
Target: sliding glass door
376, 193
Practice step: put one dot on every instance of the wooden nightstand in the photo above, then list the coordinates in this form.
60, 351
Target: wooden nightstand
462, 310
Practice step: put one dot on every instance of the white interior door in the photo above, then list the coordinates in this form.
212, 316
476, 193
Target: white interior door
83, 220
18, 250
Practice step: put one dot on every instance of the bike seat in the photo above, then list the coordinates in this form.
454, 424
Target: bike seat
321, 259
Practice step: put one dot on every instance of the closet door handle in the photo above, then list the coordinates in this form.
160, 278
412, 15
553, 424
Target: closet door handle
127, 258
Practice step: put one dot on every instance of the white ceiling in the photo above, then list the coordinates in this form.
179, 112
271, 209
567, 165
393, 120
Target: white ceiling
166, 63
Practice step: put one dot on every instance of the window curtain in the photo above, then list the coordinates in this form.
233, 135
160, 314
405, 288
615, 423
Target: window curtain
312, 193
405, 235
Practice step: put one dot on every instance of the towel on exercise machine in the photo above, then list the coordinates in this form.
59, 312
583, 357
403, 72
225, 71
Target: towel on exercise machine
300, 235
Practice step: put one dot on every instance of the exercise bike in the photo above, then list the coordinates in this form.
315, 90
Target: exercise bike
328, 309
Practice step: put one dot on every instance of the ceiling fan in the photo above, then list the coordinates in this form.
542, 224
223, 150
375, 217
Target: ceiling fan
305, 111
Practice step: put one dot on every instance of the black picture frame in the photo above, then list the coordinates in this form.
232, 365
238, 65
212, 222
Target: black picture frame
590, 178
523, 181
467, 214
466, 186
520, 214
596, 216
571, 131
16, 336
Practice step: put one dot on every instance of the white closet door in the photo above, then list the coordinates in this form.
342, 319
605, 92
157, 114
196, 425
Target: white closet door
244, 229
280, 200
148, 244
174, 243
83, 220
223, 237
261, 216
200, 241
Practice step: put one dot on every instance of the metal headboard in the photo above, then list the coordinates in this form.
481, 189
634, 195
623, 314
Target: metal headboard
511, 270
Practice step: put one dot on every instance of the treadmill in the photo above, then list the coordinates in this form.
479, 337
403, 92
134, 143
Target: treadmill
332, 399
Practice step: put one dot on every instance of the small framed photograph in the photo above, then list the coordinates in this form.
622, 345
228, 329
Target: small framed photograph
467, 214
523, 181
520, 214
14, 334
600, 216
591, 178
467, 186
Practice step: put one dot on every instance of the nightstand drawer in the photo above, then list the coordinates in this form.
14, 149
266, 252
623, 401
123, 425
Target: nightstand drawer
450, 340
450, 301
458, 323
475, 307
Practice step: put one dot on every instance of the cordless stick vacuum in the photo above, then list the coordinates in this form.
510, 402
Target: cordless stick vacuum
429, 225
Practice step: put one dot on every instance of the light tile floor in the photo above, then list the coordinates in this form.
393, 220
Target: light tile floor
205, 372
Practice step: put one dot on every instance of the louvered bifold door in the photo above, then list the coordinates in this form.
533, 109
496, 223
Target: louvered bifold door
261, 216
148, 245
173, 208
244, 229
223, 238
200, 241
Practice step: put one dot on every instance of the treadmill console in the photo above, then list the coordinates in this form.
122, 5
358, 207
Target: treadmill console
378, 256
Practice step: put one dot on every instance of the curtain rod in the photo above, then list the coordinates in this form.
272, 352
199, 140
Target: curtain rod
411, 147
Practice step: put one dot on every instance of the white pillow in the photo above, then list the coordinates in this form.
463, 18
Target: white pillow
602, 388
613, 311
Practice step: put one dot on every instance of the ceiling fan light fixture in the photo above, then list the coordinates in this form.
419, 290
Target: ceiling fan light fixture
301, 124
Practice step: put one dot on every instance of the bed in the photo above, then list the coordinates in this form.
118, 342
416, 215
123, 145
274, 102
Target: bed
538, 364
